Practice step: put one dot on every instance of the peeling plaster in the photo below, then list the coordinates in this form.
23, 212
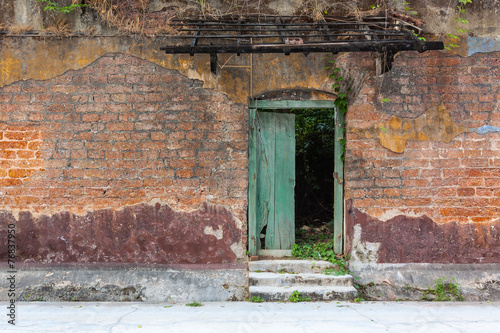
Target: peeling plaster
219, 233
435, 124
405, 239
389, 214
485, 129
363, 252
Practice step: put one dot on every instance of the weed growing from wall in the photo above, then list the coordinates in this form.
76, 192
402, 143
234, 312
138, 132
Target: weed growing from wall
460, 30
443, 291
52, 6
296, 297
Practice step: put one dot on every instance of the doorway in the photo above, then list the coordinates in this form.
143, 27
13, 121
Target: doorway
271, 206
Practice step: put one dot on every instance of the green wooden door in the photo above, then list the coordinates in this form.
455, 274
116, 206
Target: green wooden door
269, 192
275, 180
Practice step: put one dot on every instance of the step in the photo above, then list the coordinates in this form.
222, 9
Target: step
315, 293
289, 266
302, 279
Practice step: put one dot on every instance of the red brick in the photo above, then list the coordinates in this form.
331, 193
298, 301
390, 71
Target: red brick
450, 181
416, 183
409, 173
430, 173
121, 126
483, 162
492, 182
471, 181
388, 182
475, 202
25, 154
392, 192
363, 183
113, 155
417, 202
466, 191
484, 192
18, 173
445, 163
445, 191
423, 163
13, 145
363, 203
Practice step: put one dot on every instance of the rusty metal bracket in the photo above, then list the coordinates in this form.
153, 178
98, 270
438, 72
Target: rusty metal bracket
336, 176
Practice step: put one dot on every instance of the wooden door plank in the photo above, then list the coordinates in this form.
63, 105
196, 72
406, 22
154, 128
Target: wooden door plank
252, 183
285, 181
338, 185
265, 176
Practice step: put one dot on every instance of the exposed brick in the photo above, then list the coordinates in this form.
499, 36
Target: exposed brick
388, 182
4, 145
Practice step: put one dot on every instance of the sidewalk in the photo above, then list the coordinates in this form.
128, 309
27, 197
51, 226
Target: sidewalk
255, 317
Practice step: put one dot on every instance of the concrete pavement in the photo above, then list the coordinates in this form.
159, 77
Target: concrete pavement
255, 317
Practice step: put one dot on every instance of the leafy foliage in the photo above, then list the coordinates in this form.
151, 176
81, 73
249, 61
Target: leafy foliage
443, 291
52, 6
194, 304
296, 297
256, 299
321, 251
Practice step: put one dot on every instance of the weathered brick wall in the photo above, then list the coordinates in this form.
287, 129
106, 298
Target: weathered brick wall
112, 163
439, 199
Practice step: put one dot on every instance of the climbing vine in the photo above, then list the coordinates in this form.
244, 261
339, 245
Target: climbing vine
342, 101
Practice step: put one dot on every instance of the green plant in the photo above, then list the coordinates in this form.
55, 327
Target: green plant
321, 251
256, 299
296, 297
194, 304
52, 6
443, 291
460, 30
318, 251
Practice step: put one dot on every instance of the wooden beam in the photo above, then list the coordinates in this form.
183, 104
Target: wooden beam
334, 47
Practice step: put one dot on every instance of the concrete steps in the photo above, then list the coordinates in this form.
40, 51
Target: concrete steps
276, 280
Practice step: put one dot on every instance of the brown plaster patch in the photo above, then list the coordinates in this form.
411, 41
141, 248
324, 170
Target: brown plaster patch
406, 239
434, 125
137, 234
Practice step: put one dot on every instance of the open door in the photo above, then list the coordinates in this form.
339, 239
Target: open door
271, 159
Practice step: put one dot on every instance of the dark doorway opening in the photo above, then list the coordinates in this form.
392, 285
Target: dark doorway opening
314, 167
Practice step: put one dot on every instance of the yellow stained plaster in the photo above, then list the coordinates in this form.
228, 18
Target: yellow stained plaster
23, 58
434, 125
